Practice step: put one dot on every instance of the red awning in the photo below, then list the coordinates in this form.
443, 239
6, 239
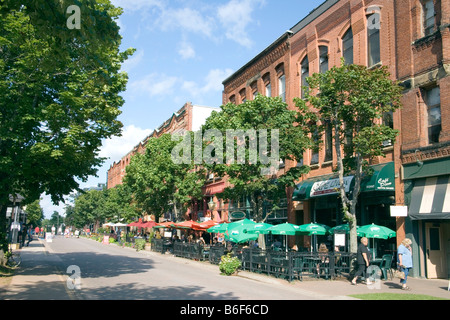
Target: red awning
205, 225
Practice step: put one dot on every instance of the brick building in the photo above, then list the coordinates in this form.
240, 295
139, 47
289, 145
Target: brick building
411, 38
190, 118
333, 30
423, 68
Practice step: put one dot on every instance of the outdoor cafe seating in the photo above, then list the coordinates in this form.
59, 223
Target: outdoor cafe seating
276, 261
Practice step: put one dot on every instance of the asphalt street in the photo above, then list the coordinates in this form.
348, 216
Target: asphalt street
53, 271
109, 272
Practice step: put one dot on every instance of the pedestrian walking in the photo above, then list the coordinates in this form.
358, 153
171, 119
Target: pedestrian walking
363, 259
404, 260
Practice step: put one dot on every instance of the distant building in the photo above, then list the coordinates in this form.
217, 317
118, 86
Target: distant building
412, 39
190, 118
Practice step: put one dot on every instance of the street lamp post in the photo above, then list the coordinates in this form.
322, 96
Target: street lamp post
212, 206
16, 199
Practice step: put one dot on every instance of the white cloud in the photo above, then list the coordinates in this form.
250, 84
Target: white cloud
185, 19
154, 84
137, 5
213, 82
186, 51
133, 61
235, 16
116, 147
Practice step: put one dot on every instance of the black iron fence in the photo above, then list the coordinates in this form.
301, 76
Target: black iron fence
296, 265
289, 265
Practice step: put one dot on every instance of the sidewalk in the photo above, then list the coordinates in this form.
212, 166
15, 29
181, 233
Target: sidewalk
343, 287
40, 273
37, 278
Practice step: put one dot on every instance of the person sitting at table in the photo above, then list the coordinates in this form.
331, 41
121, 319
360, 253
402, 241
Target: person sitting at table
323, 255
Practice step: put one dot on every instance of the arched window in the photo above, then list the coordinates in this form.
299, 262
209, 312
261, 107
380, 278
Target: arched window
373, 38
347, 46
267, 85
304, 74
428, 17
323, 59
281, 82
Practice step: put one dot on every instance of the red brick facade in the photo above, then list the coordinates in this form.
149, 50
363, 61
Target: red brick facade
184, 119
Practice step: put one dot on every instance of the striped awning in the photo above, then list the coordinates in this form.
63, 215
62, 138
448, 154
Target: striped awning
430, 199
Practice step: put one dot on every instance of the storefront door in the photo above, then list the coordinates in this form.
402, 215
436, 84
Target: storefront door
436, 259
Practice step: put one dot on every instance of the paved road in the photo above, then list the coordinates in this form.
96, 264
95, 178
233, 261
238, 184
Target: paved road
110, 272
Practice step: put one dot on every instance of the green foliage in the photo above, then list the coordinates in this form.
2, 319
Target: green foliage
35, 213
139, 244
353, 100
262, 113
229, 265
158, 184
59, 94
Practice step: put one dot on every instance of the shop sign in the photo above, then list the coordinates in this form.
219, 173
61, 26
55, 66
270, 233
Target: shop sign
331, 186
237, 215
399, 211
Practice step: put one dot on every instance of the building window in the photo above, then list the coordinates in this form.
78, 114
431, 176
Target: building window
268, 90
347, 47
267, 86
373, 39
323, 59
233, 99
304, 75
428, 17
254, 87
433, 103
281, 81
315, 151
242, 94
388, 120
282, 87
328, 142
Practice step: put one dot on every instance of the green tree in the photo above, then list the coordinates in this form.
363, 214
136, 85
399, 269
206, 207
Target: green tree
35, 213
247, 178
59, 95
157, 183
89, 208
353, 100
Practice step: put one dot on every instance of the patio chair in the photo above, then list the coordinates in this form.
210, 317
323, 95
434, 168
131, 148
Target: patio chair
298, 268
385, 266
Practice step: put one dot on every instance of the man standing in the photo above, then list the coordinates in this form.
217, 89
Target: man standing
363, 258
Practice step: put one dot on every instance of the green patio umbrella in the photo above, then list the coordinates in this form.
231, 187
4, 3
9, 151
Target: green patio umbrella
219, 228
344, 228
238, 234
288, 229
376, 232
314, 229
259, 228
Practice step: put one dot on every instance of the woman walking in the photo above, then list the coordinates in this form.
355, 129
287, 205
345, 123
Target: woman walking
363, 258
404, 260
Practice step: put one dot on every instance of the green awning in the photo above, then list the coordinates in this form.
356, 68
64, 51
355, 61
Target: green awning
382, 179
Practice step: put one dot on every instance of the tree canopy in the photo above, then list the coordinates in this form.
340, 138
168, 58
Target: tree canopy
157, 183
59, 94
354, 100
274, 125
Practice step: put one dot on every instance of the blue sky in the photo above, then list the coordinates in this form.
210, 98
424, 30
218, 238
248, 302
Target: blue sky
184, 50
